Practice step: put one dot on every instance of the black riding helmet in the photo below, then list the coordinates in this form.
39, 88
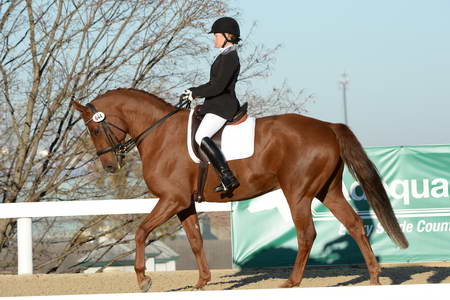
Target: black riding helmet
227, 25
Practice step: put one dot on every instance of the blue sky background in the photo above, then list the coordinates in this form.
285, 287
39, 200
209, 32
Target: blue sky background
397, 55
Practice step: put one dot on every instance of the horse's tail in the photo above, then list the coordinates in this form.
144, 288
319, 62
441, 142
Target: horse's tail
366, 173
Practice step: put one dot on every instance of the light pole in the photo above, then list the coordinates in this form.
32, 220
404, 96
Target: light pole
344, 83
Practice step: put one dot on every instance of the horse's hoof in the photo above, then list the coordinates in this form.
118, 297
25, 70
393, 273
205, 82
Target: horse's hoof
288, 284
200, 286
145, 285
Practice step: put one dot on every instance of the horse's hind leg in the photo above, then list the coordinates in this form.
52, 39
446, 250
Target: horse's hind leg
189, 220
306, 234
340, 208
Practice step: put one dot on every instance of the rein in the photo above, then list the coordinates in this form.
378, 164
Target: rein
120, 149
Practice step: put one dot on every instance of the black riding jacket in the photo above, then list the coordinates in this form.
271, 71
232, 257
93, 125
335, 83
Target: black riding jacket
220, 96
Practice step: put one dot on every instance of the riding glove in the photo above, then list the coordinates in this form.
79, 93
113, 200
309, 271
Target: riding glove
187, 94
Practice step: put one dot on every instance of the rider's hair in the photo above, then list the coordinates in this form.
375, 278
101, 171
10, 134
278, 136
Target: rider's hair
232, 38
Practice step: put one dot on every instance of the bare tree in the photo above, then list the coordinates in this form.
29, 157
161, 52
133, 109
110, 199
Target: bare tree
52, 51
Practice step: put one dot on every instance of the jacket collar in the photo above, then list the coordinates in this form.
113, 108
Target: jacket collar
227, 49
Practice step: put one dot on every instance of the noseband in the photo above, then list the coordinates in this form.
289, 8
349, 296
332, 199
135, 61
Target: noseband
122, 148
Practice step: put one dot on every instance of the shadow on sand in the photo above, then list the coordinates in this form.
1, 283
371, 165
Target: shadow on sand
397, 275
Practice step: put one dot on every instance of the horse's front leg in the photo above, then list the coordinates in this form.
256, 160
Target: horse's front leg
189, 220
162, 212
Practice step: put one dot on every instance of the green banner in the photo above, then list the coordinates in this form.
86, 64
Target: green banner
416, 179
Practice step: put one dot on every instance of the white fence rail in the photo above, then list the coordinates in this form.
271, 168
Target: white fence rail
24, 212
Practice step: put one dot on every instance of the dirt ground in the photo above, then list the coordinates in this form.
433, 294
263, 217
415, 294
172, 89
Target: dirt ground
69, 284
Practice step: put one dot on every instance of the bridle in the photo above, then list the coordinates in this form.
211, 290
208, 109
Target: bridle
121, 148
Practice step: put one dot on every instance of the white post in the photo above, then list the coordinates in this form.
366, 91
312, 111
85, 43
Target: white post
24, 246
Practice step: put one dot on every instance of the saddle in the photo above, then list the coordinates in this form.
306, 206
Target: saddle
238, 118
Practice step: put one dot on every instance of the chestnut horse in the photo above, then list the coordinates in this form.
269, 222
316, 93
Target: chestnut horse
303, 156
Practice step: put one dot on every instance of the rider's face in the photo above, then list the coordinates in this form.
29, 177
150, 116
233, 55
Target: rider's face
219, 39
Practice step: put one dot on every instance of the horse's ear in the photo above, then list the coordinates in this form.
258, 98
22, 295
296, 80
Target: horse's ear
76, 105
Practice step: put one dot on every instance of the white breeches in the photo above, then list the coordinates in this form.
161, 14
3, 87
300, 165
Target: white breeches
210, 124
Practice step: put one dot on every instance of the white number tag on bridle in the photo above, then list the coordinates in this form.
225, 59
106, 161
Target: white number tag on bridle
98, 117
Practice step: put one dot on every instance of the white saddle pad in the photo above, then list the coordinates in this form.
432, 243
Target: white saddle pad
238, 141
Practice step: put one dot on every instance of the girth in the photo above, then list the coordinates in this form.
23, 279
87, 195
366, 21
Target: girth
238, 118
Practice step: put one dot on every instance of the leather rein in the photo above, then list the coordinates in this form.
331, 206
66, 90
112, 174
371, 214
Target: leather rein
121, 148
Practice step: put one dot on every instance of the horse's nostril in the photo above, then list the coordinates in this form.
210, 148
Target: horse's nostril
109, 168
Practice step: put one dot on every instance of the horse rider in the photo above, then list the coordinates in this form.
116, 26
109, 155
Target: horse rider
221, 103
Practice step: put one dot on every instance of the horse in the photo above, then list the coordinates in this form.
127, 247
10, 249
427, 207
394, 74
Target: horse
302, 156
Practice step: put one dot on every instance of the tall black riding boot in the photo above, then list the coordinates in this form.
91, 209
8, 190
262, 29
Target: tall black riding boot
215, 156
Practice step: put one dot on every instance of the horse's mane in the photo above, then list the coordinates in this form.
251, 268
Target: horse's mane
147, 96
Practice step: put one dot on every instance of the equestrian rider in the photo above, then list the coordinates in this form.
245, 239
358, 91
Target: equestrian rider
221, 103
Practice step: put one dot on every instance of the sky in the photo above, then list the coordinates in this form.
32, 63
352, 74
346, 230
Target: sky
396, 54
